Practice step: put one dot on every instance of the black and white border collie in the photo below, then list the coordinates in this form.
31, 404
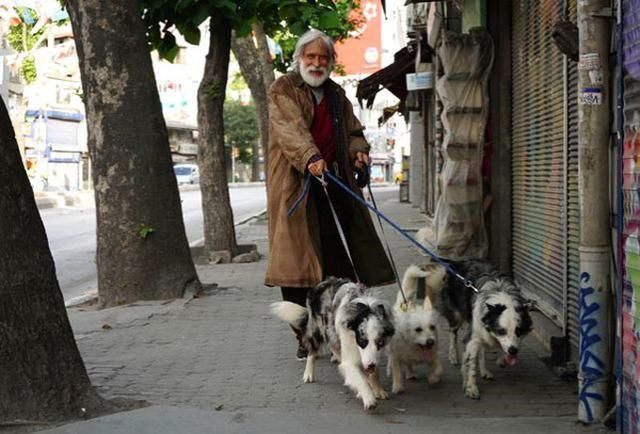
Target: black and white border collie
498, 317
349, 321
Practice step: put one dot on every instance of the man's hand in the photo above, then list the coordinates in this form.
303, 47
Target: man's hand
317, 168
362, 160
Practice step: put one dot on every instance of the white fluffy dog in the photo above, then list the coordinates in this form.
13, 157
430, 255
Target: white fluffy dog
416, 324
352, 323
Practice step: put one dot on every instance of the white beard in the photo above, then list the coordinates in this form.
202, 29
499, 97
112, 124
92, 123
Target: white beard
313, 80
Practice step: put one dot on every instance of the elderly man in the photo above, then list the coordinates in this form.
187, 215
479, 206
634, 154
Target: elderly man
313, 130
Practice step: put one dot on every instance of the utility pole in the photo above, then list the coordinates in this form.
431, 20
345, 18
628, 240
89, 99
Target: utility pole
594, 371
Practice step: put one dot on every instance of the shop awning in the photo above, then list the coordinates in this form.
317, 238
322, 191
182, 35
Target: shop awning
387, 112
392, 77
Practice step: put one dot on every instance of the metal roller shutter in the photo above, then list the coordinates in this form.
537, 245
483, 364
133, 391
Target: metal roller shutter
573, 198
543, 177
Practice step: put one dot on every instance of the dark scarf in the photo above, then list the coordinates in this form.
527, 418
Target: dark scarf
339, 132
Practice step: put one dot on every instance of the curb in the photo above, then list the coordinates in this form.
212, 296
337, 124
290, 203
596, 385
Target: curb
200, 241
81, 299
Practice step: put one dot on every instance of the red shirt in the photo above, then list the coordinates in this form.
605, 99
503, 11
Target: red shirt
322, 131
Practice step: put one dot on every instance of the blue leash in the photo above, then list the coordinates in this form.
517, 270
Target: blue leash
447, 267
305, 191
384, 236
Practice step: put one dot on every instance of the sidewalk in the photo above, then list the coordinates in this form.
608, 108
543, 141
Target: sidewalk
220, 363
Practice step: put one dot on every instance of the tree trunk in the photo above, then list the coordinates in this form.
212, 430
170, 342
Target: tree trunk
265, 56
219, 232
248, 58
42, 376
142, 249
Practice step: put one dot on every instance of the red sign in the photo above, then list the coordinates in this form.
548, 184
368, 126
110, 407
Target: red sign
360, 53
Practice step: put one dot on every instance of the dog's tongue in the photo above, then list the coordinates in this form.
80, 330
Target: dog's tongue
510, 359
426, 353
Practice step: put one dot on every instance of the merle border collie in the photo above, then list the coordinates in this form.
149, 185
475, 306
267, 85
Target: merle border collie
349, 321
497, 316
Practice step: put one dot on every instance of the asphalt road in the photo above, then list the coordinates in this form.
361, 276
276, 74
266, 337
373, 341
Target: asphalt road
72, 234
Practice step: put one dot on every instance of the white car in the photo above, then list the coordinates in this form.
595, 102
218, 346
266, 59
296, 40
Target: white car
187, 173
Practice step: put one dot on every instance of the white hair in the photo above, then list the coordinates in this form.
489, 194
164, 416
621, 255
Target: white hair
307, 38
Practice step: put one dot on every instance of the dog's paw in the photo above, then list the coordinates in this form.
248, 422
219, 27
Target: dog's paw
471, 391
487, 375
453, 359
396, 390
412, 377
369, 403
308, 378
335, 359
381, 394
433, 378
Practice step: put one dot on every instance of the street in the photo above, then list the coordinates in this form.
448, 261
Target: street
72, 238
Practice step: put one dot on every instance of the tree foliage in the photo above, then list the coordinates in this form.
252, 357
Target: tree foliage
241, 128
336, 20
284, 20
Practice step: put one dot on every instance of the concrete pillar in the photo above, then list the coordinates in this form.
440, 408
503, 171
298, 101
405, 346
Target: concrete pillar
416, 169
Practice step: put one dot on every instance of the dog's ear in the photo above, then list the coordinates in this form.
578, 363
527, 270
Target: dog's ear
495, 308
383, 311
493, 313
355, 313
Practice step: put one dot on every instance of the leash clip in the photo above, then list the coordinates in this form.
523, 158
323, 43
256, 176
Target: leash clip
469, 284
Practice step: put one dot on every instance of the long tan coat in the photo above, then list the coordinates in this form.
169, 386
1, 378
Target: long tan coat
294, 252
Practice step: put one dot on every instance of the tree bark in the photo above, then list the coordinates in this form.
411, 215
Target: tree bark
142, 249
42, 376
248, 58
266, 61
219, 232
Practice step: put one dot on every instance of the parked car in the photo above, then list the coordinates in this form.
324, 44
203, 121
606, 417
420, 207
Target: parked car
187, 173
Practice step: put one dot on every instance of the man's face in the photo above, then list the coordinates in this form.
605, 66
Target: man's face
315, 63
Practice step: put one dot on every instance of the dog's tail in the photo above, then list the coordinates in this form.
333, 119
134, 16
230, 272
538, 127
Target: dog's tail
410, 280
434, 275
293, 314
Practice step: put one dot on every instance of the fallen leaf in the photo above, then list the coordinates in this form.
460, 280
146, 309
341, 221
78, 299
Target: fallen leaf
218, 407
393, 421
106, 327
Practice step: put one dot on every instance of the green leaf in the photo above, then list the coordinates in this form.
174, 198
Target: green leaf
144, 230
203, 12
243, 29
225, 4
171, 53
298, 28
191, 34
329, 20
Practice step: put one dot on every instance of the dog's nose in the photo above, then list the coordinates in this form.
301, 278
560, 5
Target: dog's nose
513, 351
430, 343
371, 367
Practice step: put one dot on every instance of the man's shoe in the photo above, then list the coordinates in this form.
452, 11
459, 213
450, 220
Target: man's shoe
301, 354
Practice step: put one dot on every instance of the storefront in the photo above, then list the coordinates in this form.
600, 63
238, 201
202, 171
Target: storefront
55, 150
544, 161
